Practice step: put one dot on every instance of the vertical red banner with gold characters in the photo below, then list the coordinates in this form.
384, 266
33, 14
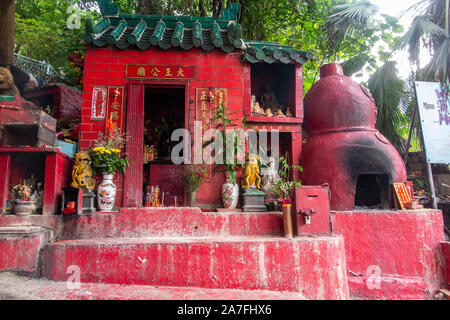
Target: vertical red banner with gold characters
220, 97
99, 102
204, 104
115, 109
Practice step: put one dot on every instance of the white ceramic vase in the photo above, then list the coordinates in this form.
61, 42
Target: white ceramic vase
106, 193
230, 193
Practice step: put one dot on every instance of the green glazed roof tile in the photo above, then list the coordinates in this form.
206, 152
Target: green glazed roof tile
145, 31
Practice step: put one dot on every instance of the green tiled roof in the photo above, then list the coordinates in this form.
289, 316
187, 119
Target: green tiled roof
207, 33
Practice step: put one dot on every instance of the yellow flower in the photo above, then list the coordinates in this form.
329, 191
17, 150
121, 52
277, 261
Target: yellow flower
108, 152
115, 150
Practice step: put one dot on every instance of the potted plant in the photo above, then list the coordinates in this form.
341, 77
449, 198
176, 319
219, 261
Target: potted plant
106, 159
24, 205
283, 188
192, 180
231, 167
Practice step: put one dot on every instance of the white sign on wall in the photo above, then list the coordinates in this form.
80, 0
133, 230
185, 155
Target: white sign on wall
434, 111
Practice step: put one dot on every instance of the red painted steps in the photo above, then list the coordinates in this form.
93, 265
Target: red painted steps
312, 266
20, 247
155, 222
163, 222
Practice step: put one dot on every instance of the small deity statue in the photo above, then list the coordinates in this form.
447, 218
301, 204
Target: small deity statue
82, 175
251, 180
270, 176
289, 113
257, 110
279, 113
38, 195
268, 112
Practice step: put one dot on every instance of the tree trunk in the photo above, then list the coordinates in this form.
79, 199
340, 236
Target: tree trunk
7, 31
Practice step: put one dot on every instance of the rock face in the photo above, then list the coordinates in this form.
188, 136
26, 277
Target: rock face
7, 86
344, 149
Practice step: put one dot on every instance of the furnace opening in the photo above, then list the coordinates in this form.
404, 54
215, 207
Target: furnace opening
372, 191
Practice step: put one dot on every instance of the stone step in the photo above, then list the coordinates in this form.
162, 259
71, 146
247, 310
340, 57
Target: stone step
171, 222
20, 247
14, 286
312, 266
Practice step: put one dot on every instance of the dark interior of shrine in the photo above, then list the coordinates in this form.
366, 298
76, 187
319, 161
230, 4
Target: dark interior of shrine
275, 78
164, 112
372, 190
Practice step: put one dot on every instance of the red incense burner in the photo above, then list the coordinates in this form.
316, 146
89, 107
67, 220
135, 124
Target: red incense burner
344, 148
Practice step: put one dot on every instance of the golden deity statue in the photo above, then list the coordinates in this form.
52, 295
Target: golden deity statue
251, 177
82, 175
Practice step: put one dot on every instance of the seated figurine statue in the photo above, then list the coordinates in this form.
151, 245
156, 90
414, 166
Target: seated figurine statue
82, 175
257, 110
289, 113
269, 113
279, 113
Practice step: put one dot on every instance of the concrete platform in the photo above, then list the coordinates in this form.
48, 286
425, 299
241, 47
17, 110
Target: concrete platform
311, 266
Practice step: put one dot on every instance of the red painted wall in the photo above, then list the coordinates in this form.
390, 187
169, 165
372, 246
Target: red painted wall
398, 252
107, 67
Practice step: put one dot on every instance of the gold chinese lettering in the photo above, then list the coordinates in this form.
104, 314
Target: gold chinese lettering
141, 72
180, 72
168, 72
203, 95
114, 115
155, 72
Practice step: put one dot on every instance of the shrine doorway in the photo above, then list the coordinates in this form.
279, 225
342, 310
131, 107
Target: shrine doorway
164, 112
154, 110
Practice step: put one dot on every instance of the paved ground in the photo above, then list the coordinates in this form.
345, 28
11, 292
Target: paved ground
14, 287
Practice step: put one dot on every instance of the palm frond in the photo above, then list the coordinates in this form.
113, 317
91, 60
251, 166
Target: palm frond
347, 19
387, 90
439, 66
421, 27
355, 64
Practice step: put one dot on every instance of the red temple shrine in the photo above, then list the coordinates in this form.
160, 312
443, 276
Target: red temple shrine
153, 74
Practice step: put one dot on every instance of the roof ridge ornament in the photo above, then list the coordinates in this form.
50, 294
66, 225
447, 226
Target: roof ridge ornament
108, 9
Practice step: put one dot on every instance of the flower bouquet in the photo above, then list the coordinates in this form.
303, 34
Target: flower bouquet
106, 159
193, 178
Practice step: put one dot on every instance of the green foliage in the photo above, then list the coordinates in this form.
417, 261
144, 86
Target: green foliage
284, 185
390, 117
41, 33
229, 152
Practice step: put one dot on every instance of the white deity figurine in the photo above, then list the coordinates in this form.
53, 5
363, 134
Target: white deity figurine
270, 176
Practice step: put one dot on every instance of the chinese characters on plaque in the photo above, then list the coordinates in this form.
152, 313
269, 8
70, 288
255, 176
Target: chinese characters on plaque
115, 107
207, 101
99, 100
160, 72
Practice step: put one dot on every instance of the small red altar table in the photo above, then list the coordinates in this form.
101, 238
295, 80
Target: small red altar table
51, 164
